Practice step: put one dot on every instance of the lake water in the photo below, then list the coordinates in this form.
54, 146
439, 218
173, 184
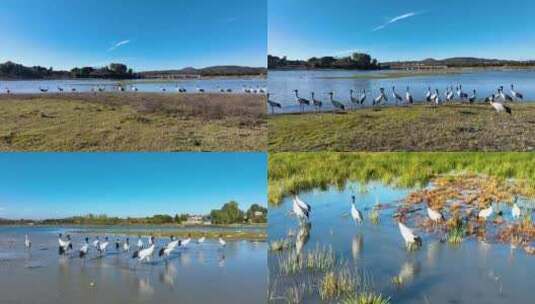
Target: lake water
281, 85
199, 273
86, 85
474, 272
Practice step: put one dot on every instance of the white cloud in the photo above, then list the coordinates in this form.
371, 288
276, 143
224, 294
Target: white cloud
118, 44
396, 19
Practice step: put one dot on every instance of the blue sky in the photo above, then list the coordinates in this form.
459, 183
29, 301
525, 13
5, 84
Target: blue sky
156, 34
41, 185
409, 29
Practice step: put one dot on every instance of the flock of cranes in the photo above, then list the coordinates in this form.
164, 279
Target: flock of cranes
133, 88
141, 252
497, 99
302, 211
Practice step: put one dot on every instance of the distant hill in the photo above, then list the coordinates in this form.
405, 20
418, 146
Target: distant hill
222, 70
457, 62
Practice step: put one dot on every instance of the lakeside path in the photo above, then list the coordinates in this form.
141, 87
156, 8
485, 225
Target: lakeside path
132, 122
449, 127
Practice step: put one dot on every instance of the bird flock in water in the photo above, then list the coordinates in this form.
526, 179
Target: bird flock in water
302, 211
140, 251
133, 88
497, 99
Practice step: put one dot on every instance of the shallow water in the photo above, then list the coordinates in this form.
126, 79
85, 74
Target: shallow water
474, 272
86, 85
282, 83
203, 273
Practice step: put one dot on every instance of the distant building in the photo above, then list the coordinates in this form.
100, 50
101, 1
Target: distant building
195, 220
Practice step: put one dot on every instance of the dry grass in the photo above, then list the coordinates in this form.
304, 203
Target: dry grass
451, 127
132, 122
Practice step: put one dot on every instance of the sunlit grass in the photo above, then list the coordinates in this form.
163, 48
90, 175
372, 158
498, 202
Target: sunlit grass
366, 298
336, 284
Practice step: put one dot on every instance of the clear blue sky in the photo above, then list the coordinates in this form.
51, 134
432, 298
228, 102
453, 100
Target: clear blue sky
409, 29
155, 34
41, 185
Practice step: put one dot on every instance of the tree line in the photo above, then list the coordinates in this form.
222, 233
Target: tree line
358, 61
11, 70
230, 213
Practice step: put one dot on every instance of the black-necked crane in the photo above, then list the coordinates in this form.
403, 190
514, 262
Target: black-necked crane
381, 97
120, 88
336, 104
408, 235
126, 245
485, 213
354, 100
362, 97
408, 96
500, 107
139, 242
60, 89
428, 94
220, 89
96, 243
8, 91
273, 104
64, 246
27, 242
473, 97
185, 242
435, 98
449, 94
117, 244
503, 95
301, 101
84, 249
462, 95
163, 89
43, 90
145, 254
222, 241
301, 209
102, 246
396, 96
229, 90
101, 89
434, 215
134, 88
515, 94
73, 89
515, 211
168, 249
200, 90
261, 90
316, 102
355, 213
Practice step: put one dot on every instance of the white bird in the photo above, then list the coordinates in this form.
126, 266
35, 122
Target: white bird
201, 240
362, 97
200, 90
396, 96
435, 97
139, 242
302, 204
515, 211
185, 242
102, 246
355, 213
472, 98
64, 246
301, 101
145, 254
408, 97
353, 99
381, 97
96, 243
462, 95
316, 102
485, 213
126, 245
301, 213
167, 250
84, 249
504, 96
222, 242
434, 215
449, 94
27, 241
516, 94
134, 88
273, 104
408, 235
428, 94
336, 103
500, 107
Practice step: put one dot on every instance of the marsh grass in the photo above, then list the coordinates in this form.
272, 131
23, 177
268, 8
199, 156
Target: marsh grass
296, 172
456, 234
336, 284
366, 298
132, 122
374, 216
317, 260
279, 245
451, 127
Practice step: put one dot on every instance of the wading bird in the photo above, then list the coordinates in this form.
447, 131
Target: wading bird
145, 254
117, 244
185, 242
102, 246
408, 97
515, 212
355, 213
472, 98
516, 94
139, 242
60, 89
96, 243
200, 90
73, 89
27, 242
504, 96
301, 101
434, 215
381, 97
134, 88
462, 95
408, 235
167, 250
43, 90
396, 96
435, 98
316, 102
353, 99
428, 94
273, 104
222, 241
163, 89
84, 249
201, 240
362, 97
485, 213
301, 213
500, 107
64, 246
449, 94
8, 91
126, 245
336, 104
